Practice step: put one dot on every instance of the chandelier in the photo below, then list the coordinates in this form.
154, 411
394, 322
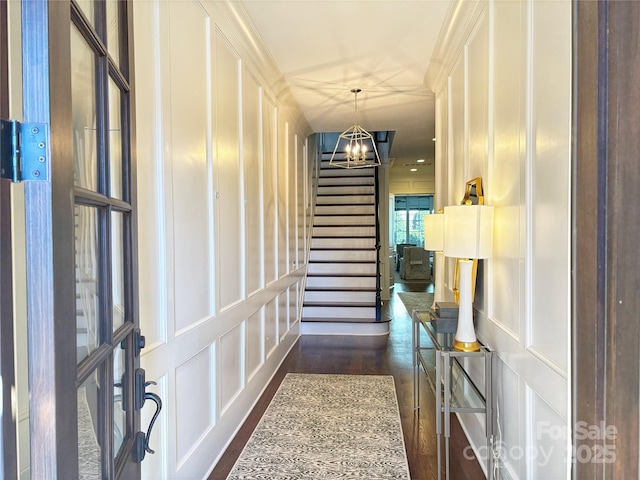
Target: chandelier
357, 144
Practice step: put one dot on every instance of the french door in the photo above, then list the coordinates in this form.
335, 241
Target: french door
86, 388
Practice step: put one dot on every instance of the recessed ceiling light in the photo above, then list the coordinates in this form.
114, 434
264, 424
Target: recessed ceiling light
433, 139
414, 169
421, 160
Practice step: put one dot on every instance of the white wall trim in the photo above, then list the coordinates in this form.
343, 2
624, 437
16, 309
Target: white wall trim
343, 328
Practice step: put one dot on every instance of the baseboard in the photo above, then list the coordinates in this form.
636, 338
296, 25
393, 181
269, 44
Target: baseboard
344, 328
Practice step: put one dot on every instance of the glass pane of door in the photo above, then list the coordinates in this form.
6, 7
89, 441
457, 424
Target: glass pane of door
113, 29
87, 282
119, 389
89, 450
83, 94
115, 141
117, 269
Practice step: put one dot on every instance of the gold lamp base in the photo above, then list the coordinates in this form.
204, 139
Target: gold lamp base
466, 346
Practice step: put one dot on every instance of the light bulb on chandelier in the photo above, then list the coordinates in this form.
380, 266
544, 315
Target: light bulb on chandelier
356, 149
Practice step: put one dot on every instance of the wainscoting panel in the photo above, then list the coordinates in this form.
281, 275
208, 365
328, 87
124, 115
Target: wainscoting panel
550, 77
231, 372
283, 197
546, 446
193, 376
301, 199
457, 152
153, 263
457, 163
283, 314
229, 208
271, 338
507, 304
253, 180
191, 161
255, 342
507, 189
477, 53
269, 144
477, 119
294, 307
509, 410
292, 203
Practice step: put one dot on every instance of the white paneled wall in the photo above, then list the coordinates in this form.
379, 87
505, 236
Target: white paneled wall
228, 182
221, 159
190, 160
504, 104
253, 181
270, 185
283, 196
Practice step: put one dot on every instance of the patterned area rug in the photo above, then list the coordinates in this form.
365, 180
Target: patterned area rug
328, 427
416, 300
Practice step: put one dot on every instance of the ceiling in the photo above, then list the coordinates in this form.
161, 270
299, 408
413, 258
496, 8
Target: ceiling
326, 48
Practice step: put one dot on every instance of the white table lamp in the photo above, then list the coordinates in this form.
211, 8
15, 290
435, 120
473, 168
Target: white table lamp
468, 235
434, 241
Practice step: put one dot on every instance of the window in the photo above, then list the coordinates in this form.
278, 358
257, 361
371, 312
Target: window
408, 222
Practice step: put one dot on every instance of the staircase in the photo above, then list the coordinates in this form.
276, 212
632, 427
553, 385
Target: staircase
341, 294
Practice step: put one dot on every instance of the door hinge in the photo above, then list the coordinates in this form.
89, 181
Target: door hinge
23, 150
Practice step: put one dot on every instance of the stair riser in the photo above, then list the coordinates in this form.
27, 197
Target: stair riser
355, 243
341, 282
345, 209
346, 189
339, 297
345, 200
341, 256
351, 180
339, 312
367, 220
341, 269
331, 172
335, 231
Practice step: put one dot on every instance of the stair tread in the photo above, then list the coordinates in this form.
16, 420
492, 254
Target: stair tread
342, 249
338, 289
342, 275
342, 320
346, 236
338, 304
340, 262
347, 194
344, 215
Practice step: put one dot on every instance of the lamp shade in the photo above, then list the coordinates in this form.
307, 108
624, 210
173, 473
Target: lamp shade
434, 232
468, 231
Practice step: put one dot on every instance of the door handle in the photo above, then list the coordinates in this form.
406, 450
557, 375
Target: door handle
142, 440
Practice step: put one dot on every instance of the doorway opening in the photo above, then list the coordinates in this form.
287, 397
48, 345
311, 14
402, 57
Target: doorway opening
408, 232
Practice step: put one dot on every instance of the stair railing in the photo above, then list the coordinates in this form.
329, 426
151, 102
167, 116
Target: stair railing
378, 245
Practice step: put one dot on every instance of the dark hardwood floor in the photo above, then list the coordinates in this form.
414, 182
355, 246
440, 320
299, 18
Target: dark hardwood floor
390, 355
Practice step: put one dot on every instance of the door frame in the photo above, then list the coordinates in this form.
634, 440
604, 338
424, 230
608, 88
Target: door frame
606, 226
8, 438
49, 254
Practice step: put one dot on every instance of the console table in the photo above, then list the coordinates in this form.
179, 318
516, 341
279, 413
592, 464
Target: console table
454, 390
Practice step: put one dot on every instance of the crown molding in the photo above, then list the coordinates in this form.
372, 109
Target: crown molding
456, 29
234, 23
